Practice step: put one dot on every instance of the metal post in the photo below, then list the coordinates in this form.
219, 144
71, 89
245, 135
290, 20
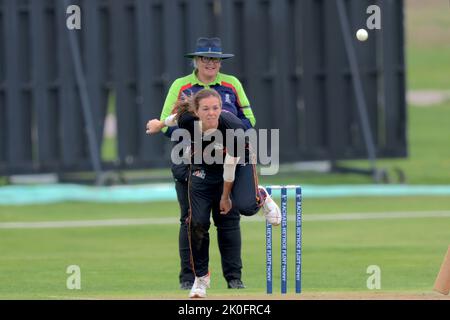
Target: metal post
85, 102
357, 86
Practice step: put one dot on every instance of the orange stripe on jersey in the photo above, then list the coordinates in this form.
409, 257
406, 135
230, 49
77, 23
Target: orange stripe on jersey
186, 86
189, 224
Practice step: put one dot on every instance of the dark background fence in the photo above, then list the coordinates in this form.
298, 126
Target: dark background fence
289, 54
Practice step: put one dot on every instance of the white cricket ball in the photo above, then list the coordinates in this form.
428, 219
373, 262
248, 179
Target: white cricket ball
362, 35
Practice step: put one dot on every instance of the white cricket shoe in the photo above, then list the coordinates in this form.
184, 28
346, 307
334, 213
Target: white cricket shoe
271, 210
200, 285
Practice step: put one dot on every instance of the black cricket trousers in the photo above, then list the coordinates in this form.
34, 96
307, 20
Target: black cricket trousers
205, 189
228, 233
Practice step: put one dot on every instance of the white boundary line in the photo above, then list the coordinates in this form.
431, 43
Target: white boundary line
258, 218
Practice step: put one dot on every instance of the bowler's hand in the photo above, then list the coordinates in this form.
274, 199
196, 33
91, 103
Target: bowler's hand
154, 126
225, 205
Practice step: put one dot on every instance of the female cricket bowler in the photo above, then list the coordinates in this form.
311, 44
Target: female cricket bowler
217, 187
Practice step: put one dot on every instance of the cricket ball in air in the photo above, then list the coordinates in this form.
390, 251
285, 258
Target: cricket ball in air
362, 35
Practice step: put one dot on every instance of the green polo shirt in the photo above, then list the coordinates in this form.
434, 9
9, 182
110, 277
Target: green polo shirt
229, 87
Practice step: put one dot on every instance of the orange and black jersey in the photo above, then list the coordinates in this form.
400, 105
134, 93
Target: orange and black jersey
228, 123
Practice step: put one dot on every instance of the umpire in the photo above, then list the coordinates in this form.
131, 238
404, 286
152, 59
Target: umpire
206, 74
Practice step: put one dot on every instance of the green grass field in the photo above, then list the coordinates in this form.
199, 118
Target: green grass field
427, 28
142, 261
